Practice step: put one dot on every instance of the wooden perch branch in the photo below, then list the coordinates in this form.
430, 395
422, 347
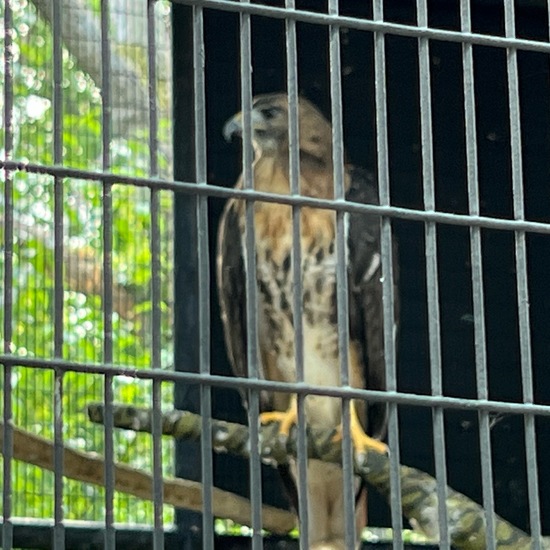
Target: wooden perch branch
181, 493
466, 519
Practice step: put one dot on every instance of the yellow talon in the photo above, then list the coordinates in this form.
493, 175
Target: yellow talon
362, 443
286, 419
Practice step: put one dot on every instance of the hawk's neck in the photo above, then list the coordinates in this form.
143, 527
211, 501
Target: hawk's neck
271, 174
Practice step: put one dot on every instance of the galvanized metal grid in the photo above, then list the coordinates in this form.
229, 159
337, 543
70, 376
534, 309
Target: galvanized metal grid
66, 390
202, 190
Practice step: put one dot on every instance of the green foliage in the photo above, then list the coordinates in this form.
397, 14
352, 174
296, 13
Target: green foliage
82, 247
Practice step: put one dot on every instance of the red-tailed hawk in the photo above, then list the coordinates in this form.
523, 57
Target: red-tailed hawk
273, 233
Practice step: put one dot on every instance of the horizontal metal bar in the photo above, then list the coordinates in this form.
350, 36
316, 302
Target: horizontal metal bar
284, 387
36, 533
372, 26
199, 189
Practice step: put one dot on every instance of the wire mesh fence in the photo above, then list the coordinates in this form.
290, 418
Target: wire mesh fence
104, 211
77, 255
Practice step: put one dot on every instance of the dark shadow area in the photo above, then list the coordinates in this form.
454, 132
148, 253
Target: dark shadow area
405, 157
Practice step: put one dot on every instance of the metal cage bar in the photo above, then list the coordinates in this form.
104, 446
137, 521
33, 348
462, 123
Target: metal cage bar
107, 213
250, 271
59, 530
401, 398
158, 531
207, 476
7, 444
429, 217
477, 272
296, 258
387, 269
187, 454
190, 188
341, 270
477, 277
432, 282
397, 29
521, 277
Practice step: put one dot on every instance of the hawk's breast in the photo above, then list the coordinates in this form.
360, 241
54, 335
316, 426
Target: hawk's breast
275, 293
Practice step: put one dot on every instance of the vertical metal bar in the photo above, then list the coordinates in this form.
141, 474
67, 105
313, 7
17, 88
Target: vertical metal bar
152, 76
251, 289
59, 529
297, 305
7, 445
387, 273
203, 276
521, 278
341, 271
158, 532
58, 184
109, 476
477, 278
186, 304
432, 283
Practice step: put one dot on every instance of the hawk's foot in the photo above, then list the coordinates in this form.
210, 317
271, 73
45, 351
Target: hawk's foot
286, 419
362, 443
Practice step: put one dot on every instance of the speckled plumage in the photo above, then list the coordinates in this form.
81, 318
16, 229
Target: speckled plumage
273, 237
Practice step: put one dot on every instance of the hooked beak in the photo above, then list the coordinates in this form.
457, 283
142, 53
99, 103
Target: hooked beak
233, 127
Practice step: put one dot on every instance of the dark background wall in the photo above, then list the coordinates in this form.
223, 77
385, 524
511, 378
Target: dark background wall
493, 137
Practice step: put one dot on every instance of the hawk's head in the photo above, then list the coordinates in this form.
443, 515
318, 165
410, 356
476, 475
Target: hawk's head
269, 121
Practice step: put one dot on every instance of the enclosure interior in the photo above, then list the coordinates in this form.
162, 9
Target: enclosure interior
100, 250
222, 73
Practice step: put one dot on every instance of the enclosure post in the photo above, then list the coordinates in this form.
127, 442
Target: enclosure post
186, 313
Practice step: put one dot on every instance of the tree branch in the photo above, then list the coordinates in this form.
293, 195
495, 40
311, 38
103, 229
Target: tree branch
466, 519
181, 493
81, 34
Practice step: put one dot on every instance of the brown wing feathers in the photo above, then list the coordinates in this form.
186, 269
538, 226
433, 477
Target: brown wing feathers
316, 179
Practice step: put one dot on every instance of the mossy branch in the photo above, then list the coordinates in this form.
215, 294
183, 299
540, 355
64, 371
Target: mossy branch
466, 519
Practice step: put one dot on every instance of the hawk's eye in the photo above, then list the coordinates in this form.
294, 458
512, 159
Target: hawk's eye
270, 112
